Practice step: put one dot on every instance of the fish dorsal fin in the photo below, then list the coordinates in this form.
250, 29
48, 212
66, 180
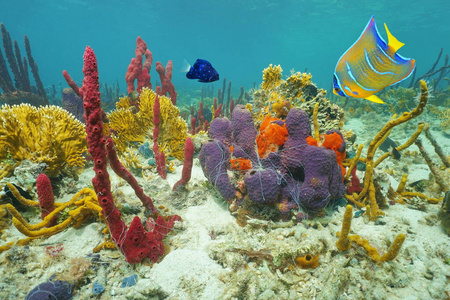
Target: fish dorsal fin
392, 41
375, 99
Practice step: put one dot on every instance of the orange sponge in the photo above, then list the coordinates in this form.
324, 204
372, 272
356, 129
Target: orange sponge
308, 261
240, 164
271, 136
333, 142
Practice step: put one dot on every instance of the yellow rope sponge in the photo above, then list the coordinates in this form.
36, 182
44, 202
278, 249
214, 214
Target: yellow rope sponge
343, 243
375, 211
85, 200
107, 244
400, 193
367, 195
315, 122
351, 163
345, 240
408, 143
373, 253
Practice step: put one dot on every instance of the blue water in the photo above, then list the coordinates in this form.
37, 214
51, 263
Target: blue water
240, 38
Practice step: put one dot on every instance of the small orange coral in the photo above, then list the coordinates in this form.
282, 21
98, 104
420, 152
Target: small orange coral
308, 261
333, 142
312, 141
271, 136
240, 164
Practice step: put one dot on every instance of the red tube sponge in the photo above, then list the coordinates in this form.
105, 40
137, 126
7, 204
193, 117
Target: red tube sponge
165, 76
135, 243
138, 71
160, 157
46, 198
187, 165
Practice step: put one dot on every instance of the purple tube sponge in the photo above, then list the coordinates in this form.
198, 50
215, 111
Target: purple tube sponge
215, 160
244, 134
263, 186
323, 179
73, 104
314, 167
298, 127
57, 289
220, 129
272, 161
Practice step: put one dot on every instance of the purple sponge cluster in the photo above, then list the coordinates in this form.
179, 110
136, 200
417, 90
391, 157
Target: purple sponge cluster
298, 174
73, 104
52, 289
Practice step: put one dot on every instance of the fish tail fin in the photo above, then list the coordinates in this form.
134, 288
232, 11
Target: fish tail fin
375, 99
392, 41
186, 66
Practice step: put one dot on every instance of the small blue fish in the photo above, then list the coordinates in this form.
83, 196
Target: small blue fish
203, 71
370, 65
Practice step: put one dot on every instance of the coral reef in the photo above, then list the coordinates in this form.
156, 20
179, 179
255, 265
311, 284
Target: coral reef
47, 134
445, 117
278, 96
400, 99
272, 76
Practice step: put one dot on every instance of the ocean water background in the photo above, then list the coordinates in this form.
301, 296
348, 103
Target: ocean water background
240, 38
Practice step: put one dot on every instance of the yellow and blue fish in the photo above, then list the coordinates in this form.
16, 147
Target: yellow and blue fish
370, 65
